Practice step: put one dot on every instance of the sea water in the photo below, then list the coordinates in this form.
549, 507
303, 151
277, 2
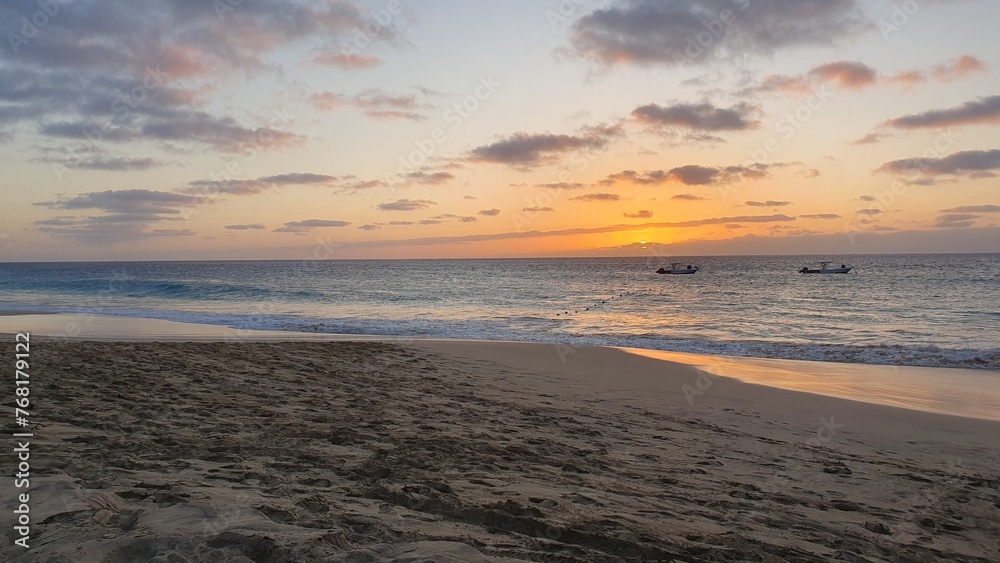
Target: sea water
920, 310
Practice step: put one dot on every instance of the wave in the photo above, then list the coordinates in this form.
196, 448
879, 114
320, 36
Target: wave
529, 330
195, 290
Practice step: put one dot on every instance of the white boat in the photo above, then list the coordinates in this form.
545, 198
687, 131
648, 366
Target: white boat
677, 268
824, 268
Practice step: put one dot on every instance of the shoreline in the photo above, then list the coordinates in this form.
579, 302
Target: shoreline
947, 391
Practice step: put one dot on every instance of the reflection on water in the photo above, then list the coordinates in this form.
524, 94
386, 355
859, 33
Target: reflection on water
948, 391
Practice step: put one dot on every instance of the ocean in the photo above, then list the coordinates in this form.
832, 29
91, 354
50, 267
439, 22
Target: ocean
917, 310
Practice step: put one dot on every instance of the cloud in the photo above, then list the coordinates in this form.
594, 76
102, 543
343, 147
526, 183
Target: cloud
459, 218
406, 205
83, 130
597, 197
970, 164
973, 209
375, 103
489, 212
129, 214
871, 212
956, 221
907, 78
347, 61
257, 185
982, 111
522, 150
302, 227
224, 134
641, 214
369, 227
945, 72
298, 178
103, 123
436, 220
144, 70
247, 227
172, 233
698, 117
542, 209
109, 164
185, 39
820, 216
561, 186
352, 185
964, 65
768, 203
429, 179
688, 197
128, 201
846, 74
694, 175
673, 33
785, 83
689, 175
869, 139
855, 75
648, 178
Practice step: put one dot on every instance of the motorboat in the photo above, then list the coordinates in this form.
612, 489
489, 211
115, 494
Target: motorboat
824, 268
678, 268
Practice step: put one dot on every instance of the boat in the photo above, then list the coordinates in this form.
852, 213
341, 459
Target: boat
824, 268
677, 268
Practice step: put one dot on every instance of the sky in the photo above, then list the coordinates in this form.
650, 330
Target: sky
267, 129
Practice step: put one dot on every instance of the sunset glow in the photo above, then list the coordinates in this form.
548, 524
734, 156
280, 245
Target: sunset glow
430, 129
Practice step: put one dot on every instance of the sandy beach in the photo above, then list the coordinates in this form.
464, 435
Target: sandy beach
468, 451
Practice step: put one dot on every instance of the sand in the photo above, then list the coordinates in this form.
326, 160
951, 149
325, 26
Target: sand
465, 451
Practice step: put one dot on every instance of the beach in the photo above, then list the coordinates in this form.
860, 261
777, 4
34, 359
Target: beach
220, 449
